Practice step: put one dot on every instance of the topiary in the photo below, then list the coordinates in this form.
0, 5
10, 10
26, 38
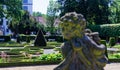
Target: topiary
40, 39
28, 39
112, 41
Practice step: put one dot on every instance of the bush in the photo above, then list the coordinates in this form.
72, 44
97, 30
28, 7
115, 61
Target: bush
112, 41
28, 39
40, 39
5, 38
58, 38
103, 42
51, 57
109, 30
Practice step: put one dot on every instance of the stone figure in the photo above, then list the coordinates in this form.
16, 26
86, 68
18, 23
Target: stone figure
82, 50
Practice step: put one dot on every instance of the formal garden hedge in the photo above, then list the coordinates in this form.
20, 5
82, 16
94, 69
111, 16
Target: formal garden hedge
4, 38
109, 30
58, 38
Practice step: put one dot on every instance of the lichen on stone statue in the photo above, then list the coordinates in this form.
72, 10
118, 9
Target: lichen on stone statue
82, 50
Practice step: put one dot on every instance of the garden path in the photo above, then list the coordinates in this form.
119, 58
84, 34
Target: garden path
111, 66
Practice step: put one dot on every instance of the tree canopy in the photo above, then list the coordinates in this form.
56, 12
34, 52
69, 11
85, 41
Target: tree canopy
10, 8
95, 11
25, 25
52, 14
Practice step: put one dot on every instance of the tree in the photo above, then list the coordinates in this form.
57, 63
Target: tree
114, 8
40, 39
52, 14
95, 11
25, 25
37, 14
10, 8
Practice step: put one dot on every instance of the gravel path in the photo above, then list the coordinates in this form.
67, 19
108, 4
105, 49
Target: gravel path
111, 66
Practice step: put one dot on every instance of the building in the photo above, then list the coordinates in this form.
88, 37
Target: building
41, 20
26, 5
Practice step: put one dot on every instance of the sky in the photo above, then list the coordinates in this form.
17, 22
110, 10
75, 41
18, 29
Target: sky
40, 6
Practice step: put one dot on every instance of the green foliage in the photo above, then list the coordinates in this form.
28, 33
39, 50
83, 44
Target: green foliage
57, 38
109, 30
25, 25
114, 11
114, 56
28, 39
116, 46
13, 8
5, 38
58, 49
51, 57
103, 42
112, 41
54, 43
37, 14
52, 14
11, 44
95, 11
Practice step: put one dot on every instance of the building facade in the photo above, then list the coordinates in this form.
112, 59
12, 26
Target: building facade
26, 5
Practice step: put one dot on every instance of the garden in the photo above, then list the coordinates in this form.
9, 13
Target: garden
24, 53
34, 49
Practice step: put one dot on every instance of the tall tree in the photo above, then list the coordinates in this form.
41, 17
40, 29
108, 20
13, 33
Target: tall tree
26, 25
95, 11
114, 8
52, 14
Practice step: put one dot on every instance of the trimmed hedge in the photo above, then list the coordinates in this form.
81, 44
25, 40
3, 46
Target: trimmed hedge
27, 37
109, 30
112, 41
29, 63
58, 38
4, 38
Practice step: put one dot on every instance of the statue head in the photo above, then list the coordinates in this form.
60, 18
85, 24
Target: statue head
73, 25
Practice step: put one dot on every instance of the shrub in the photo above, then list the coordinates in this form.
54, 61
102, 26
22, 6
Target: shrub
5, 38
28, 39
109, 30
40, 39
51, 57
24, 37
103, 42
112, 41
58, 38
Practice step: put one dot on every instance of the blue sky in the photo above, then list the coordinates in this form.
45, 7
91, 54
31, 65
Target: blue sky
40, 6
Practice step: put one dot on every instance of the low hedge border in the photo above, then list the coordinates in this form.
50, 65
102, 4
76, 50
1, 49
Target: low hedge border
29, 63
114, 60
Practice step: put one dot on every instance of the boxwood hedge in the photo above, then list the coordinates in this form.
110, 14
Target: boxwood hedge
109, 30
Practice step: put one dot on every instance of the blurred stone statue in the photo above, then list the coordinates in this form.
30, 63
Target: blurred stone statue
82, 50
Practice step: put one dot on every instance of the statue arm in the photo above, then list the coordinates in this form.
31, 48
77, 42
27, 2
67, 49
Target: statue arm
93, 44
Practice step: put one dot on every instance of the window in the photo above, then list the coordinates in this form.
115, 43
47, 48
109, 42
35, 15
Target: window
25, 7
6, 22
25, 1
7, 30
1, 21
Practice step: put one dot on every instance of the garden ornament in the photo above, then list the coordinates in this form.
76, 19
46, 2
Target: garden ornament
82, 50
